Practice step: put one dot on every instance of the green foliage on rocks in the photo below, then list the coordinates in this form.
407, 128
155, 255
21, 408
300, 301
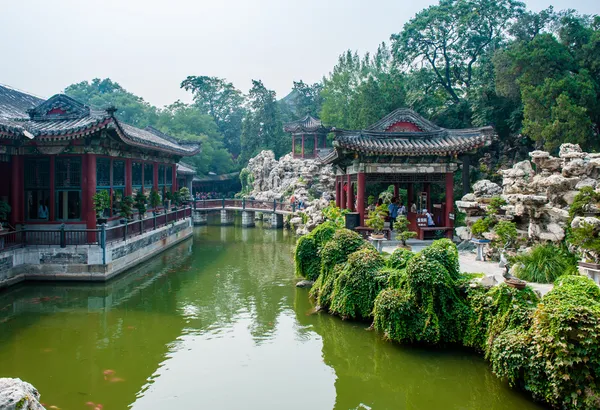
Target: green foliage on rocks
306, 257
425, 306
558, 358
357, 286
343, 243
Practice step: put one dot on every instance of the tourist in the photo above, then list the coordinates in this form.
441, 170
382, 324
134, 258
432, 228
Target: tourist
402, 209
42, 211
429, 218
393, 212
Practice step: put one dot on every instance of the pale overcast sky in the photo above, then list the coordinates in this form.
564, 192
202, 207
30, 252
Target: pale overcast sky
150, 46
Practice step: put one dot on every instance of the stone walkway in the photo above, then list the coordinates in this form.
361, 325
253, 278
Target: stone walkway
468, 264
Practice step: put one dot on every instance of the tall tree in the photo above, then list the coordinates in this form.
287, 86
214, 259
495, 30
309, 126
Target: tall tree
450, 38
263, 127
222, 101
307, 98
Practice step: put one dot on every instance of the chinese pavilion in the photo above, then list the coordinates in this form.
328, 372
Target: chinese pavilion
405, 149
311, 135
56, 154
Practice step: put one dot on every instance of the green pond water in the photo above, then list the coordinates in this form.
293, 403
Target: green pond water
217, 323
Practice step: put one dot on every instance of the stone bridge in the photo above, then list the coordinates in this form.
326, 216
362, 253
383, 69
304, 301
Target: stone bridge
248, 208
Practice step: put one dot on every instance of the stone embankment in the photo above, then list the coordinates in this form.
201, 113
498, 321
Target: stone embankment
538, 193
307, 180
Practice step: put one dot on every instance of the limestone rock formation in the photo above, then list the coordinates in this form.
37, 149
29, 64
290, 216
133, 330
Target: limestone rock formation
538, 192
308, 180
15, 394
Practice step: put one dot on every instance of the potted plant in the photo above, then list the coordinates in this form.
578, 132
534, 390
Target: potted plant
168, 197
140, 204
402, 232
154, 200
4, 211
184, 195
376, 222
101, 202
126, 211
176, 200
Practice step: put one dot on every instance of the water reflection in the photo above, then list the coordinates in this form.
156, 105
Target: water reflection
220, 325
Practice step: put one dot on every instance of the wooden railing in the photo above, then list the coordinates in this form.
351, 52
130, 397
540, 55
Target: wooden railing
100, 236
243, 204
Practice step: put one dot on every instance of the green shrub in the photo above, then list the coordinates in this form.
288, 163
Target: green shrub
399, 258
562, 363
335, 214
495, 204
343, 243
358, 285
544, 263
427, 303
584, 198
444, 251
579, 285
507, 233
481, 226
306, 256
495, 310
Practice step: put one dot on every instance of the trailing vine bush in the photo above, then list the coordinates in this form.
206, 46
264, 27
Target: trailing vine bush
306, 256
558, 358
356, 288
343, 243
399, 258
426, 307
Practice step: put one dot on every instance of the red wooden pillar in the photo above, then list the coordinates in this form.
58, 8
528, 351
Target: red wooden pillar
155, 177
344, 193
88, 190
302, 146
52, 198
174, 177
16, 189
396, 191
128, 172
338, 190
350, 195
361, 192
449, 202
410, 195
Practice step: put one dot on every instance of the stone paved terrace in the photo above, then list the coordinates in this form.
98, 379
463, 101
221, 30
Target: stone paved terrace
468, 264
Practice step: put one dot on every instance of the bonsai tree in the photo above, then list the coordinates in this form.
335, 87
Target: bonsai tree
126, 207
376, 218
481, 226
184, 194
176, 198
101, 202
4, 211
154, 199
140, 203
402, 232
168, 197
506, 233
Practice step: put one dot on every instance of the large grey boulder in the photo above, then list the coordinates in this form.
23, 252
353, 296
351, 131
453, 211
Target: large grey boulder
486, 189
15, 394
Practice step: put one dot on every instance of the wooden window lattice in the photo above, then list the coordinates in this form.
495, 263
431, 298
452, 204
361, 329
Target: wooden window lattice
136, 174
67, 172
119, 173
148, 175
102, 172
161, 175
37, 173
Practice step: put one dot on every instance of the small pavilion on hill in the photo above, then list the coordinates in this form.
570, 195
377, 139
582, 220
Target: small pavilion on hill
309, 136
405, 150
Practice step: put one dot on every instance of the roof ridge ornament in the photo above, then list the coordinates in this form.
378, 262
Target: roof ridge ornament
59, 107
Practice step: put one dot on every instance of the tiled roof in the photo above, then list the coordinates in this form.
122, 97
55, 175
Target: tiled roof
185, 169
444, 142
306, 124
432, 140
214, 178
63, 118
